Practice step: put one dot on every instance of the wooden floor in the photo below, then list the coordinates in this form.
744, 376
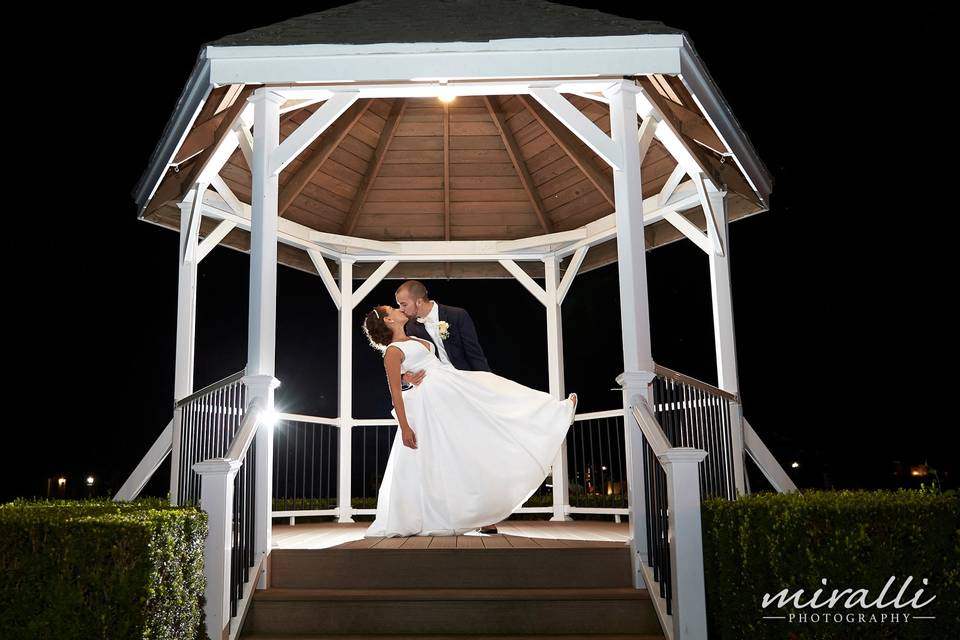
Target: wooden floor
512, 533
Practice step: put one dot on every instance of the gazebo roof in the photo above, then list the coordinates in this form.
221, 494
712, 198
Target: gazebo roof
514, 169
378, 21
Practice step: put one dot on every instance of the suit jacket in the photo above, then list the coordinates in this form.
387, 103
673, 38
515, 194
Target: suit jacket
462, 346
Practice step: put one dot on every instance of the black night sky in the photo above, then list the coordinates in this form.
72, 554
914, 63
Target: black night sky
840, 296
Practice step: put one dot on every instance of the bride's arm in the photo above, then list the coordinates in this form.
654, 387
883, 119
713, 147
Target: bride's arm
391, 362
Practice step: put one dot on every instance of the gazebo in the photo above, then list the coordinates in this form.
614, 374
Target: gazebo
458, 139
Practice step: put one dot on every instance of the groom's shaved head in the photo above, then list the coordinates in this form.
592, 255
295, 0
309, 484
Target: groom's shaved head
414, 289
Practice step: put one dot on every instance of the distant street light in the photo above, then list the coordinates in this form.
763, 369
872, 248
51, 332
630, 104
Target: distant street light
89, 481
795, 465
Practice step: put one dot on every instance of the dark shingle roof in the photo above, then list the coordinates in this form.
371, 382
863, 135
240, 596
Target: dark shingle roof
376, 21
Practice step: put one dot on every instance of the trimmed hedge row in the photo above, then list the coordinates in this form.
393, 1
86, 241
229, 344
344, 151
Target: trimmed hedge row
766, 542
101, 569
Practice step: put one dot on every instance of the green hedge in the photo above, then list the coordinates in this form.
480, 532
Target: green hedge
98, 569
767, 542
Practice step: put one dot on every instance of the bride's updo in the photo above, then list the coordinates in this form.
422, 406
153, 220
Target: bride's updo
378, 333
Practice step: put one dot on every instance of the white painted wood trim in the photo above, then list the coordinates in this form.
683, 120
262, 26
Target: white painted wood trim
145, 469
689, 603
584, 128
325, 274
765, 460
571, 272
690, 230
676, 177
345, 391
214, 238
709, 213
311, 128
525, 280
609, 56
374, 279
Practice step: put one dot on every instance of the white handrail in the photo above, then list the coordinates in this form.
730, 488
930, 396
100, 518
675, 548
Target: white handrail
216, 498
651, 428
765, 460
248, 429
688, 593
147, 466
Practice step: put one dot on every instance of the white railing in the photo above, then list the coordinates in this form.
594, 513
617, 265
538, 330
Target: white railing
308, 459
232, 564
693, 413
145, 469
673, 564
768, 465
208, 421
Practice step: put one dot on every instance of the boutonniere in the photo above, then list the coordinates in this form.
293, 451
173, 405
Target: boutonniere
444, 327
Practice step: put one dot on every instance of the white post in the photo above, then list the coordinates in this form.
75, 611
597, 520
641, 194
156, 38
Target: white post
634, 312
188, 259
689, 611
551, 284
724, 336
262, 327
345, 390
216, 499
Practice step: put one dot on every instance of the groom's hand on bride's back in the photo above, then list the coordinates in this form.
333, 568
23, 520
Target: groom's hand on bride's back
414, 377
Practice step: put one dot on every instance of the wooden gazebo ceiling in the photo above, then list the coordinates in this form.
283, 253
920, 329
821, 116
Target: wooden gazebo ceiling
478, 168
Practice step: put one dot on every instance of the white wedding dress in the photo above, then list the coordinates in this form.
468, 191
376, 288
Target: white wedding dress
484, 446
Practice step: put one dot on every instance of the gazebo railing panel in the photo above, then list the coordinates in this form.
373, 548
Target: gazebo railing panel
209, 421
305, 465
596, 460
696, 414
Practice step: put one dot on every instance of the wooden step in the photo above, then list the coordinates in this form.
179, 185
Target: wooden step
576, 612
512, 567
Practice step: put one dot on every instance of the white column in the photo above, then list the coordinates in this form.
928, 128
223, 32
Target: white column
216, 499
345, 390
561, 489
723, 332
188, 259
686, 542
634, 310
262, 328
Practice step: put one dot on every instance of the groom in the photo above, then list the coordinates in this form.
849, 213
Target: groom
449, 328
456, 343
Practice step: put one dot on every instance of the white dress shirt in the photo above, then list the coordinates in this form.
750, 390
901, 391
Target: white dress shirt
430, 324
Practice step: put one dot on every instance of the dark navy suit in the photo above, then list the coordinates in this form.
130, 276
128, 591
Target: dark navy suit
462, 346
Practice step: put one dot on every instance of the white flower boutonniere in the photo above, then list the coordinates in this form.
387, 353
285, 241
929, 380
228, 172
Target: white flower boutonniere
444, 327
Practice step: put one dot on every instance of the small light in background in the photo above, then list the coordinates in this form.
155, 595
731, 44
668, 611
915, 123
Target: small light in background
919, 470
795, 465
89, 481
61, 481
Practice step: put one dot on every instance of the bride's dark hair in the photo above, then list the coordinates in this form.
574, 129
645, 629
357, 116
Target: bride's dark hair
378, 333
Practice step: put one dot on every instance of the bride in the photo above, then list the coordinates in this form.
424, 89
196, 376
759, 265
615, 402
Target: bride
472, 446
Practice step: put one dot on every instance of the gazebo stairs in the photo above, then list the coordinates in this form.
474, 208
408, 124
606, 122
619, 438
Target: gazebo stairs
454, 592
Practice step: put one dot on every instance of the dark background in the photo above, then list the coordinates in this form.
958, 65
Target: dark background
841, 294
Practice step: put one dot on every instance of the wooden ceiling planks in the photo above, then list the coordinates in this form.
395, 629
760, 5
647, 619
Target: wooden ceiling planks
482, 167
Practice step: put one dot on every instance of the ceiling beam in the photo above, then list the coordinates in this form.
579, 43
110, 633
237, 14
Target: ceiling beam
572, 146
329, 141
513, 150
310, 129
582, 126
373, 168
177, 185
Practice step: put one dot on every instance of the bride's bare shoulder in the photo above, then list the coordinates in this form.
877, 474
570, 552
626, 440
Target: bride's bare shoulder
399, 349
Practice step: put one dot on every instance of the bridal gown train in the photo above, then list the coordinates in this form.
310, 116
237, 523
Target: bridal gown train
484, 445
